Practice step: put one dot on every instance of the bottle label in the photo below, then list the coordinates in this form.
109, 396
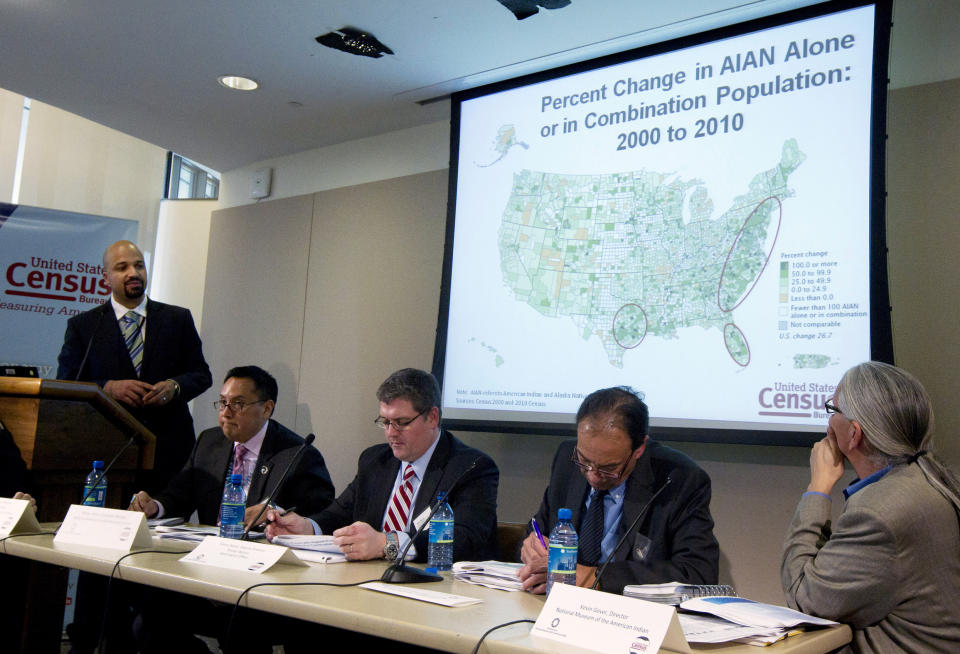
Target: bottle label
441, 531
97, 497
231, 514
562, 559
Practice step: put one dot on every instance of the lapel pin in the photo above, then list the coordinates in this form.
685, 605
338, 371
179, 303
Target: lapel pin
264, 470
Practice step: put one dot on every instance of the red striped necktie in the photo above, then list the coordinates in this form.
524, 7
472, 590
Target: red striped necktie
400, 506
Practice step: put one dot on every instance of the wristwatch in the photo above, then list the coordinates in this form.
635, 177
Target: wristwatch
391, 549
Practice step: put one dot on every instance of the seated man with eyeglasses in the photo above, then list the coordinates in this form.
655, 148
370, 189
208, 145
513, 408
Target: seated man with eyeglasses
610, 476
397, 482
249, 442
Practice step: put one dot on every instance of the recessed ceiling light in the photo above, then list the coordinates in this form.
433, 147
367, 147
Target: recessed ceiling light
238, 83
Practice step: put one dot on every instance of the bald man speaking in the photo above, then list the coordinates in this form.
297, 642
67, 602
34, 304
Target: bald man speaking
144, 354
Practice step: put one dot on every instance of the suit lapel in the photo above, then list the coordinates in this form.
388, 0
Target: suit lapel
433, 477
382, 491
637, 494
152, 335
261, 472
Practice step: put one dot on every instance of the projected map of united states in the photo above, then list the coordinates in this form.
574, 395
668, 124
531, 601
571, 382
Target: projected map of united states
637, 255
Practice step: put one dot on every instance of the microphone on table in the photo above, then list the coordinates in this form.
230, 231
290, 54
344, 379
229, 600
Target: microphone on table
86, 353
626, 533
399, 572
276, 489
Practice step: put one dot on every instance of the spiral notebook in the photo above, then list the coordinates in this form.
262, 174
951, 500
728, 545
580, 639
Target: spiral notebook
674, 592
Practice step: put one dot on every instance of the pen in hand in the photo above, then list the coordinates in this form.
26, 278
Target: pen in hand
281, 512
536, 528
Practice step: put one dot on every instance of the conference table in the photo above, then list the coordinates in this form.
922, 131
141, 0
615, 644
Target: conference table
352, 608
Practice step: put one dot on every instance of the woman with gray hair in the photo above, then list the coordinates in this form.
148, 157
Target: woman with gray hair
890, 566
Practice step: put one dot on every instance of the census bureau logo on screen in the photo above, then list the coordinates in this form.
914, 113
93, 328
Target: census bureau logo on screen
52, 279
802, 399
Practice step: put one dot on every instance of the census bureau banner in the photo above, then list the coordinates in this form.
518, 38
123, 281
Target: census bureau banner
51, 270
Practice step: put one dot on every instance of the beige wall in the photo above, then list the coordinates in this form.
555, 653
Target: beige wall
11, 113
923, 237
253, 301
180, 254
73, 164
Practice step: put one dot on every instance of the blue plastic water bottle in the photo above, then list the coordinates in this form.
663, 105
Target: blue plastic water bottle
440, 547
96, 478
232, 508
562, 557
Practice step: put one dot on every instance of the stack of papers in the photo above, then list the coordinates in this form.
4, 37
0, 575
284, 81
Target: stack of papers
675, 592
742, 620
194, 534
183, 532
501, 575
312, 548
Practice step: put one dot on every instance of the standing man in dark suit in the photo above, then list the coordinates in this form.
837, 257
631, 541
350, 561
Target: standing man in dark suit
373, 518
144, 354
247, 442
615, 469
147, 356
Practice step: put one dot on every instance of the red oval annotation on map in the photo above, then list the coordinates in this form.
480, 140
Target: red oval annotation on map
726, 344
765, 261
646, 325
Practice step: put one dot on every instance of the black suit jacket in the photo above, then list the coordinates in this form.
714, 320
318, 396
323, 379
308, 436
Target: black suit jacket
678, 523
473, 500
172, 350
199, 486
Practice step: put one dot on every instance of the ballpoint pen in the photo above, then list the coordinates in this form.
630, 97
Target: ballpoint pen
536, 528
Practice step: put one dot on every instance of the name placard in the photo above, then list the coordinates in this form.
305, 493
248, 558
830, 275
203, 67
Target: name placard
16, 517
235, 554
603, 622
111, 529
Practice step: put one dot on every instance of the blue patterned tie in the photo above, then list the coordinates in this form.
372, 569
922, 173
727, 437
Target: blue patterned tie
591, 530
133, 337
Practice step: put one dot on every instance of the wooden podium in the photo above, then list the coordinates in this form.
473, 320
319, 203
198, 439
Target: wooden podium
61, 427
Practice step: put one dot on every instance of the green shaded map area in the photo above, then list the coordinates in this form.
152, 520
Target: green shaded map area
613, 253
506, 139
811, 360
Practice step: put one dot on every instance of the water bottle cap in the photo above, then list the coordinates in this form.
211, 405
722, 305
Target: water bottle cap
564, 514
236, 479
97, 465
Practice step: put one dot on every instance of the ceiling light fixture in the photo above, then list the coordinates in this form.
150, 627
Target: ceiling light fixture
354, 41
238, 83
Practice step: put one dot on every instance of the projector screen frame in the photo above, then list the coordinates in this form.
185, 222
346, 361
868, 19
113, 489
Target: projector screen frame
881, 342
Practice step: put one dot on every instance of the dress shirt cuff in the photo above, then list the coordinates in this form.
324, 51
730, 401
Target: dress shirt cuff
316, 528
160, 511
402, 539
817, 493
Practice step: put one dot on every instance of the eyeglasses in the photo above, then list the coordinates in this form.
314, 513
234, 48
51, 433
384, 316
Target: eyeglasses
609, 471
399, 425
237, 406
830, 407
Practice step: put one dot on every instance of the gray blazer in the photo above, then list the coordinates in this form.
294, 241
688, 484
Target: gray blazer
890, 569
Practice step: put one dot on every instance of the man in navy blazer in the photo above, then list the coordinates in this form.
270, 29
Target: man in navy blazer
410, 417
173, 370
